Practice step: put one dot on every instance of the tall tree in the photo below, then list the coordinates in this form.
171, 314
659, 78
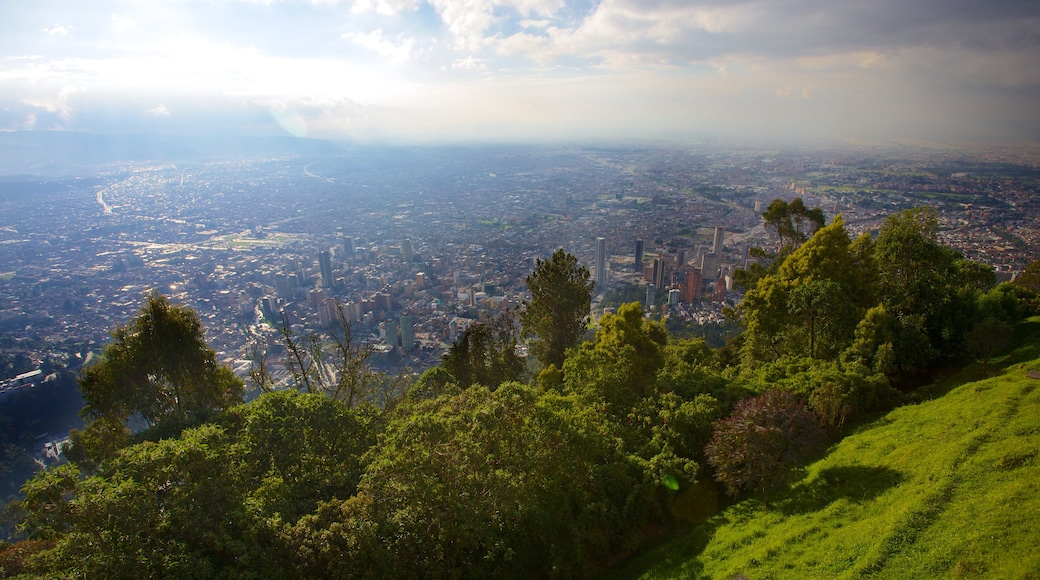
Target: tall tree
485, 354
556, 315
158, 366
792, 223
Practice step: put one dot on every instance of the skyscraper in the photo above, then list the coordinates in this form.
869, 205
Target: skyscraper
601, 263
348, 248
692, 287
325, 264
720, 233
639, 256
651, 295
407, 333
281, 286
406, 251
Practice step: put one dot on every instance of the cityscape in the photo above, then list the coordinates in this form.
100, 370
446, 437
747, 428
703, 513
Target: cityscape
415, 244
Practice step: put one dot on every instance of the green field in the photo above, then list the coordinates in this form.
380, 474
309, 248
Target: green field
946, 488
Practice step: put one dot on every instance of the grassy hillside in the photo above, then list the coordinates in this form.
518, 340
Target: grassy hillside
949, 487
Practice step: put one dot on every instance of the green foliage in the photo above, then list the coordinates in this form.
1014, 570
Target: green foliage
485, 354
158, 367
946, 488
899, 305
837, 391
432, 384
558, 312
792, 223
210, 502
811, 305
620, 366
762, 441
511, 482
989, 337
334, 363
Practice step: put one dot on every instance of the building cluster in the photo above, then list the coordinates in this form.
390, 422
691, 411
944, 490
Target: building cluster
410, 249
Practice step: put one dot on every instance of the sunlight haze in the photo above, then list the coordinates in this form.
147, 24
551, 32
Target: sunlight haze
525, 70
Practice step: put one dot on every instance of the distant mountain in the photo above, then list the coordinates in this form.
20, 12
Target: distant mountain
56, 153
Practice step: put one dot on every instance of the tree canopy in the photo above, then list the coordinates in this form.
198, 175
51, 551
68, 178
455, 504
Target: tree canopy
157, 367
558, 312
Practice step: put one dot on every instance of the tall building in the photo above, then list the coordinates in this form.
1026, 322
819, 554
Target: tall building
390, 330
720, 233
348, 248
659, 270
601, 263
692, 286
710, 265
281, 286
651, 295
407, 252
638, 267
325, 264
673, 297
407, 333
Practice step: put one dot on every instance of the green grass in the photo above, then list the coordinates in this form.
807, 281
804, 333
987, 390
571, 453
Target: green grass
945, 488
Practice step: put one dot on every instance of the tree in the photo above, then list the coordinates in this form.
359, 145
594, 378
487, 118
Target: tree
764, 438
811, 304
485, 354
621, 365
208, 503
334, 363
158, 368
988, 338
792, 223
556, 315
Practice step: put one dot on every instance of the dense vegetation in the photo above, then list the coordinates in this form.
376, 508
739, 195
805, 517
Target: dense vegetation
471, 472
948, 488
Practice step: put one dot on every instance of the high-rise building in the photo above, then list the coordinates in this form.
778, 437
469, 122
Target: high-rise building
407, 333
348, 248
601, 263
407, 253
692, 286
390, 330
673, 297
659, 270
638, 267
710, 265
325, 265
651, 295
281, 286
720, 233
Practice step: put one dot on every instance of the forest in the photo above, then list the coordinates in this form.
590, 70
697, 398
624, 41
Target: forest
613, 435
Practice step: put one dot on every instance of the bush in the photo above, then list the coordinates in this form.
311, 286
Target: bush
764, 438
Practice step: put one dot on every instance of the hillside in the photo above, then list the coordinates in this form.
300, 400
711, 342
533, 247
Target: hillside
949, 487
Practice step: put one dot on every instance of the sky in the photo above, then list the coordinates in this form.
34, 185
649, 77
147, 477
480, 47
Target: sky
451, 71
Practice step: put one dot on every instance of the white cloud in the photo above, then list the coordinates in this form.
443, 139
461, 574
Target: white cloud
384, 7
122, 24
374, 41
469, 63
160, 111
59, 30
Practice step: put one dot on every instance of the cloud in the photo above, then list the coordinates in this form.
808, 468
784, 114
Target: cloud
160, 111
59, 30
469, 63
374, 41
121, 24
384, 7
